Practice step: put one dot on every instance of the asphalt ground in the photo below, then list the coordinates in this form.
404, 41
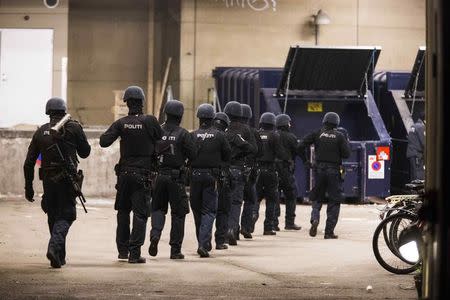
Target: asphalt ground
290, 265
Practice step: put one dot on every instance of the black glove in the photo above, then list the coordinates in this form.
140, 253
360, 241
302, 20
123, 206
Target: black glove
29, 192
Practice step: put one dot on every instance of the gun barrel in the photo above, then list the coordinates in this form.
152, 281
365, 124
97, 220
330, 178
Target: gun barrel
61, 123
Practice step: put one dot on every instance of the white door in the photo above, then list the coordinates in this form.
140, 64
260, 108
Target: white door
26, 63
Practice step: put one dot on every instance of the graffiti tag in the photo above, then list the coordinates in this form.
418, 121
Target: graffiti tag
256, 5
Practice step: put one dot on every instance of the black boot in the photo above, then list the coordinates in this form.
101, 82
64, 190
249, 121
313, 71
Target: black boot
153, 249
122, 256
313, 229
202, 252
221, 247
292, 226
269, 232
55, 262
178, 255
231, 238
138, 260
246, 234
328, 236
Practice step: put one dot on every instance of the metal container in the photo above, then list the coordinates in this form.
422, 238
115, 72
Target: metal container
317, 80
400, 97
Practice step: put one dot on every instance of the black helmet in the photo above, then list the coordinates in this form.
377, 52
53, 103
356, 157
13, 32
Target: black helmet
267, 118
331, 118
55, 103
133, 92
205, 111
233, 109
174, 108
283, 120
222, 117
246, 111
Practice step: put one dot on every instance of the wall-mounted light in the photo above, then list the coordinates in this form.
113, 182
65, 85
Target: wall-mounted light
51, 3
321, 18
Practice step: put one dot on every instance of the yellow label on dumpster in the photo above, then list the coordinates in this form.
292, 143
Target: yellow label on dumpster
315, 107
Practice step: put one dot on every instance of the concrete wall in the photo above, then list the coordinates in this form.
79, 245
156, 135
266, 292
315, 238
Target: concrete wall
98, 168
108, 50
166, 44
12, 13
232, 33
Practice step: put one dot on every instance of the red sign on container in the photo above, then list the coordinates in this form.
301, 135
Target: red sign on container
383, 153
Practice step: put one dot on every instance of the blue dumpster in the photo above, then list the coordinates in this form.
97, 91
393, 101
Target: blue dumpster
400, 97
322, 80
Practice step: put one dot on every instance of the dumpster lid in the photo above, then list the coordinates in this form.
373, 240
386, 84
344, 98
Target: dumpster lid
416, 82
329, 71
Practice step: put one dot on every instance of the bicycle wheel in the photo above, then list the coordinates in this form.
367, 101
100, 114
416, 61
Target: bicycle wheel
397, 208
395, 229
387, 258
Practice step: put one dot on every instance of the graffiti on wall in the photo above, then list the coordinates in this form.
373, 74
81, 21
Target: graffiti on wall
256, 5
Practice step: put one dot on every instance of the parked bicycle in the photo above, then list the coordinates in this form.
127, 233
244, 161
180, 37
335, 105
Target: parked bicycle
395, 240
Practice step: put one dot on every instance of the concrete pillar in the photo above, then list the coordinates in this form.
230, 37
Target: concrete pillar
151, 52
188, 61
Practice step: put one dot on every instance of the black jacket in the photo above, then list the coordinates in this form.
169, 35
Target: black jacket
330, 146
271, 150
289, 143
416, 140
183, 146
74, 142
138, 136
213, 149
242, 142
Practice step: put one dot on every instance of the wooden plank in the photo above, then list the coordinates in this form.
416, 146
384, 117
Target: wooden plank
161, 100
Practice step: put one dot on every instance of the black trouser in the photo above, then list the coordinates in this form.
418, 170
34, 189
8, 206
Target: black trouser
249, 205
236, 196
58, 202
169, 189
416, 168
133, 194
287, 185
59, 228
223, 210
267, 187
327, 180
204, 204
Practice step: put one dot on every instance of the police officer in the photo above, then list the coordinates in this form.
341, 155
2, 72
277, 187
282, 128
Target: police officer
213, 151
175, 147
138, 136
242, 144
58, 201
416, 149
221, 122
267, 183
285, 169
250, 172
330, 147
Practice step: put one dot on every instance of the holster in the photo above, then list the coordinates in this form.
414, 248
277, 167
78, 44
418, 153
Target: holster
225, 177
246, 172
342, 172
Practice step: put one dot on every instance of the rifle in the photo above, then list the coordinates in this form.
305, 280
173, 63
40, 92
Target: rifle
68, 167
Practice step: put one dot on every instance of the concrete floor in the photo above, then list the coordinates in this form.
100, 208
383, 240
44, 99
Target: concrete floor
291, 265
